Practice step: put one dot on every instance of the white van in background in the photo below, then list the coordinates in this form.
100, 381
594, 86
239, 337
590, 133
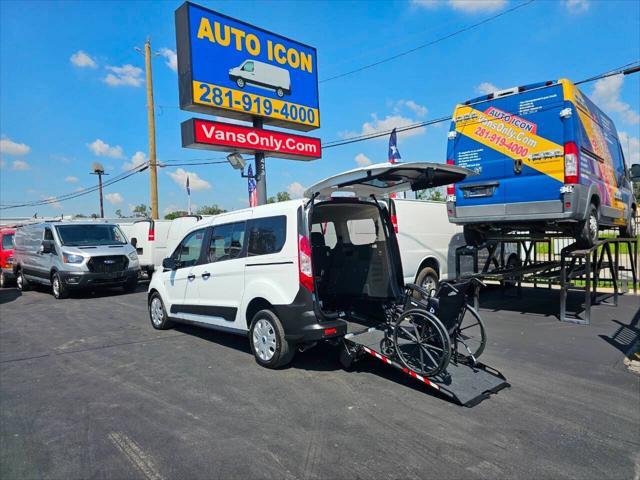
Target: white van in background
262, 74
155, 239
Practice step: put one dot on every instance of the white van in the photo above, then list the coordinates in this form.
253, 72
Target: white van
263, 75
273, 272
154, 239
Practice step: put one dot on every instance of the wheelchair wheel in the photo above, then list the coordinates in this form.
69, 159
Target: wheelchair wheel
471, 336
421, 342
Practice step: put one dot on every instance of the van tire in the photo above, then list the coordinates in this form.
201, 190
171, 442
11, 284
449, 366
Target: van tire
631, 229
267, 323
240, 82
21, 282
162, 321
474, 237
280, 92
3, 280
428, 279
58, 288
587, 230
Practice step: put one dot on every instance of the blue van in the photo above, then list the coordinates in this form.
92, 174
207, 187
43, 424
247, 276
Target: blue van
546, 158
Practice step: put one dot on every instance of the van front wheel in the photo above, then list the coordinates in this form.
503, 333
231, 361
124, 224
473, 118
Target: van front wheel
59, 289
631, 229
268, 343
21, 282
240, 82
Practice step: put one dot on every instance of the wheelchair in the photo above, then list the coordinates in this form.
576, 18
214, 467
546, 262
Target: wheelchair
428, 330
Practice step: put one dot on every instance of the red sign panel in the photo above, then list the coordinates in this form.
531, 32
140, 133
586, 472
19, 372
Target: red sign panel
205, 134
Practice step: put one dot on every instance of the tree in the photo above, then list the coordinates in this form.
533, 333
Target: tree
141, 211
210, 210
94, 215
176, 214
119, 213
280, 197
433, 194
80, 215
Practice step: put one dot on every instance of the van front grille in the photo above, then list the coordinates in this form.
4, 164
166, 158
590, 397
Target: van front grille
108, 264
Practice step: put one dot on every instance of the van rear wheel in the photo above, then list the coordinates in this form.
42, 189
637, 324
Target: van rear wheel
473, 236
280, 92
588, 230
428, 279
268, 343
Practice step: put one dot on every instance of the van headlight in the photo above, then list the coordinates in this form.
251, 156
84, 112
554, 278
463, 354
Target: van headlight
72, 258
133, 256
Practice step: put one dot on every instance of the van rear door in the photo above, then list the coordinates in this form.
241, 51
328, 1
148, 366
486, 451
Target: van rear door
386, 178
515, 142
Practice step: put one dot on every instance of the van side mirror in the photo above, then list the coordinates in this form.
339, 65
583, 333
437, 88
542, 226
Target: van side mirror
169, 263
47, 247
134, 242
635, 172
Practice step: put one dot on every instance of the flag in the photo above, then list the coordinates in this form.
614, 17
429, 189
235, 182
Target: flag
253, 194
189, 196
188, 189
394, 153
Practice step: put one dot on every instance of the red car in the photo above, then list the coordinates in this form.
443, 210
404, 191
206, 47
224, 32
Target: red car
6, 256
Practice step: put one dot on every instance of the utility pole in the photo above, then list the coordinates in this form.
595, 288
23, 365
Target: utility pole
98, 170
261, 172
153, 174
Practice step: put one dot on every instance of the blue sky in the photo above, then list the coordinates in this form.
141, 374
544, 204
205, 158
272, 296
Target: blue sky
72, 89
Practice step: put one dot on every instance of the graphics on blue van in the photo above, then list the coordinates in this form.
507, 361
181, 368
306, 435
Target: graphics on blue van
547, 158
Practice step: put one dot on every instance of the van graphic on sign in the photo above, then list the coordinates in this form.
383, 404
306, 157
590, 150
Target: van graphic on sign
263, 75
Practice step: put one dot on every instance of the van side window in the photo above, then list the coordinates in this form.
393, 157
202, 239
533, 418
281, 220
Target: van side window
48, 234
328, 231
188, 252
267, 235
248, 67
227, 242
363, 231
618, 161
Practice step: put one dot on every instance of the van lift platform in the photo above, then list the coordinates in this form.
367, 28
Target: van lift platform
572, 268
462, 383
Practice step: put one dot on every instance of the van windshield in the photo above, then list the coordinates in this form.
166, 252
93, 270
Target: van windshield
90, 235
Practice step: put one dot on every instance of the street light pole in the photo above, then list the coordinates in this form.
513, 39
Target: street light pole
99, 171
261, 171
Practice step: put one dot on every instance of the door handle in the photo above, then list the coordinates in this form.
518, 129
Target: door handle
191, 277
206, 275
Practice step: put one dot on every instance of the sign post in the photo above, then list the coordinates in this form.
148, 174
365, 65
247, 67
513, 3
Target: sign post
230, 68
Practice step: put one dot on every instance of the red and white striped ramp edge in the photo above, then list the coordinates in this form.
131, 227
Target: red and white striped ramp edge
404, 369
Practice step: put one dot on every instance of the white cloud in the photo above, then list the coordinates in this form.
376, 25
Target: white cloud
114, 198
195, 182
631, 148
125, 75
606, 94
296, 190
20, 165
82, 60
466, 6
577, 6
419, 110
53, 202
103, 149
9, 147
362, 160
137, 160
61, 158
485, 88
377, 125
71, 179
172, 58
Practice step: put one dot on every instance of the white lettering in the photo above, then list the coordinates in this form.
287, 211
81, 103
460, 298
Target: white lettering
208, 133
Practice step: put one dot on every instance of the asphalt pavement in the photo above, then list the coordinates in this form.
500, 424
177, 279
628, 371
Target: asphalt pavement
89, 390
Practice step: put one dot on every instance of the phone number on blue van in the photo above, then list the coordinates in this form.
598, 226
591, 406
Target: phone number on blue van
222, 97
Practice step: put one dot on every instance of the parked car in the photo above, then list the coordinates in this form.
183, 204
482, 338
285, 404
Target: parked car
153, 239
6, 256
74, 255
262, 74
547, 158
272, 272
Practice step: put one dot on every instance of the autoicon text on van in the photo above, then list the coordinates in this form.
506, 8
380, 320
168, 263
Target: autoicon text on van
230, 68
547, 158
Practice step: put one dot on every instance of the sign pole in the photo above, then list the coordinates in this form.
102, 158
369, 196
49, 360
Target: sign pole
261, 172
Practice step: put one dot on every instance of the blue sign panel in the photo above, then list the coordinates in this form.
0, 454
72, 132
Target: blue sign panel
233, 69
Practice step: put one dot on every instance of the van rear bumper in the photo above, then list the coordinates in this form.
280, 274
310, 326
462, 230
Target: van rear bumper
89, 279
301, 324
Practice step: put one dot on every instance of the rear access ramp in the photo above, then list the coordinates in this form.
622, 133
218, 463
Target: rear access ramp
462, 383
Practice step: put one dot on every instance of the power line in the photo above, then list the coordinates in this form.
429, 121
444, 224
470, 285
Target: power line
428, 44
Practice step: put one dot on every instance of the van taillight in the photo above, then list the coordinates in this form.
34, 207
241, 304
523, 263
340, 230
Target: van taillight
571, 163
451, 189
152, 234
394, 222
304, 263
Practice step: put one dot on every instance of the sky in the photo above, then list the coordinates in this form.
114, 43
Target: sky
72, 87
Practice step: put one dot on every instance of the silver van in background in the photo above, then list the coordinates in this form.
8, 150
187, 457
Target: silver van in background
74, 255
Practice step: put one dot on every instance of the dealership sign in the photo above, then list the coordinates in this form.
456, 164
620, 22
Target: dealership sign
205, 134
230, 68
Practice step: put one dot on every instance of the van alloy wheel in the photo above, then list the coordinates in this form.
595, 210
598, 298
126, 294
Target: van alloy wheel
240, 82
593, 227
157, 312
280, 92
429, 283
56, 286
264, 340
19, 281
2, 280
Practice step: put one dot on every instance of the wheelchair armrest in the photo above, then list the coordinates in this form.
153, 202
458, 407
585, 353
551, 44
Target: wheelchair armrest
419, 289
